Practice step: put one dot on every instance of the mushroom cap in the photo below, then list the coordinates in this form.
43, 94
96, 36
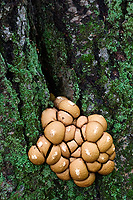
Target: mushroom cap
48, 116
103, 157
72, 145
93, 167
107, 168
35, 156
112, 156
78, 137
64, 117
69, 133
87, 182
78, 170
90, 151
111, 149
83, 129
55, 132
76, 153
100, 119
43, 145
54, 155
70, 107
105, 142
64, 175
81, 121
64, 150
60, 166
58, 100
94, 131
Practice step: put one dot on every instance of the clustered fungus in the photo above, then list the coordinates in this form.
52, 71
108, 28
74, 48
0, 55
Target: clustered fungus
74, 146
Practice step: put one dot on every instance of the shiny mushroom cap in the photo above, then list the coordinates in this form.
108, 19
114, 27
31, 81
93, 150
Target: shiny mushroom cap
87, 182
60, 166
58, 100
90, 151
70, 107
54, 155
81, 121
48, 116
64, 175
93, 167
55, 132
100, 119
94, 131
107, 168
64, 117
43, 145
105, 142
35, 156
78, 170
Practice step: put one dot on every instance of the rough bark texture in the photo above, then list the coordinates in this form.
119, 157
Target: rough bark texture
77, 48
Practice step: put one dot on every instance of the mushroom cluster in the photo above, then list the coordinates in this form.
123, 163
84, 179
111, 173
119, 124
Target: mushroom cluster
74, 146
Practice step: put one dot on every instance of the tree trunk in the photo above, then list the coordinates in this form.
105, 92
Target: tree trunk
76, 48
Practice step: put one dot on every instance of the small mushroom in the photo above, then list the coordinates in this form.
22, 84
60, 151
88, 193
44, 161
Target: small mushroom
103, 157
76, 153
54, 155
83, 129
60, 166
35, 156
70, 107
111, 149
93, 167
78, 137
72, 145
55, 132
78, 170
58, 100
87, 182
69, 133
72, 159
105, 142
48, 116
112, 156
64, 175
107, 168
64, 150
81, 121
43, 145
100, 119
90, 152
64, 117
94, 131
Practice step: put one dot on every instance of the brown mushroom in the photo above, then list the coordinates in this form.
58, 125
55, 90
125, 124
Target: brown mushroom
70, 107
55, 132
93, 167
60, 166
94, 131
83, 129
111, 149
105, 142
72, 145
100, 119
64, 150
76, 153
54, 155
87, 182
103, 157
89, 151
107, 168
78, 137
35, 156
48, 116
72, 159
69, 133
58, 100
43, 145
112, 156
78, 170
64, 175
81, 121
64, 117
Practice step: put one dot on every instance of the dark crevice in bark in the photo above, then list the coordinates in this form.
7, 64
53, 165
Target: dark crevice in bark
103, 9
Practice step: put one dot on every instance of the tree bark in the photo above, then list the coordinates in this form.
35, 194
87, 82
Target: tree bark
76, 48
